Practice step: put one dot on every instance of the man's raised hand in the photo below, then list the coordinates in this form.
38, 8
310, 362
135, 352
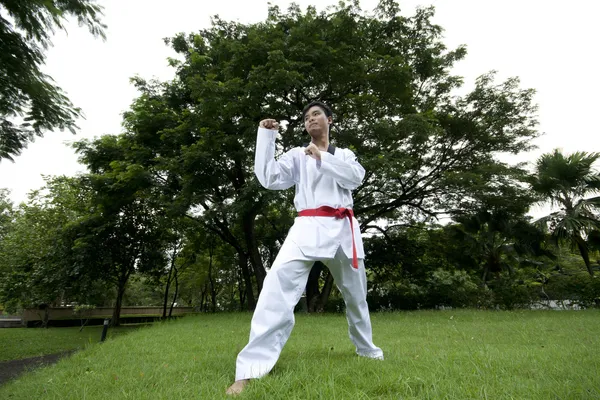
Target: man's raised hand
313, 151
269, 124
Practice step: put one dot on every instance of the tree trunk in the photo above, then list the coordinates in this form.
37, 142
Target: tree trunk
243, 263
46, 316
169, 278
176, 292
213, 298
117, 310
312, 286
167, 286
252, 246
202, 298
248, 224
324, 297
242, 291
231, 289
213, 292
585, 253
485, 275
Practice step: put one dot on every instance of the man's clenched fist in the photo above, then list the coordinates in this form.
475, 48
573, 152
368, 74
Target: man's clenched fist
313, 151
269, 124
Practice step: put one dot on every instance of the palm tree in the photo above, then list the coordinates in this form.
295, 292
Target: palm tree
566, 182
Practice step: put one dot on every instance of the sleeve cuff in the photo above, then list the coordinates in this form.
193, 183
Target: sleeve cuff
324, 157
271, 132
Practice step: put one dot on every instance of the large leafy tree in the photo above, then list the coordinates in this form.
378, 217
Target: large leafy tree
570, 182
388, 78
30, 102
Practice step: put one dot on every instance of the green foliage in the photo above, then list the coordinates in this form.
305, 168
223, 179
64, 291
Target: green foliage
142, 291
210, 279
26, 93
563, 178
451, 288
82, 309
510, 294
6, 213
405, 295
83, 312
37, 263
499, 240
127, 229
173, 203
388, 80
577, 289
566, 181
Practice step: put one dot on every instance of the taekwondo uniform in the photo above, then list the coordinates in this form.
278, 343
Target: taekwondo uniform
326, 231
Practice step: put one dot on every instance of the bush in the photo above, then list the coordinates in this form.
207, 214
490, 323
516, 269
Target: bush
509, 294
579, 288
451, 289
335, 305
404, 296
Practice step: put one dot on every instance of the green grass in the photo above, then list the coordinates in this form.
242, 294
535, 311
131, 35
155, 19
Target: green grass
104, 316
17, 343
429, 355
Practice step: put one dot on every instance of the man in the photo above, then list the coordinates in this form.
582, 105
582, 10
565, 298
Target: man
325, 230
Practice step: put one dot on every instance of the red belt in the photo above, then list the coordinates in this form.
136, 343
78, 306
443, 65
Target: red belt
339, 213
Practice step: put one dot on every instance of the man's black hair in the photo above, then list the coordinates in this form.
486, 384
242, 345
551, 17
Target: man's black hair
319, 104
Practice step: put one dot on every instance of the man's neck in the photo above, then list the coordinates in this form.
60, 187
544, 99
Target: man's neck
321, 142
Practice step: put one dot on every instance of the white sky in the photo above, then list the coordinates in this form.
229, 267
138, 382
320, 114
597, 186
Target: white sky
551, 45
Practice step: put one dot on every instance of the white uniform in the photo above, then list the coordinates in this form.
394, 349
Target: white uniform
328, 182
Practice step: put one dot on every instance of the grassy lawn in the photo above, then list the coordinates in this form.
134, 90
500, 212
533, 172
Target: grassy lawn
17, 343
429, 355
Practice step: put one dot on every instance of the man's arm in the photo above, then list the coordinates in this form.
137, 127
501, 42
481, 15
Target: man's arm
272, 174
347, 172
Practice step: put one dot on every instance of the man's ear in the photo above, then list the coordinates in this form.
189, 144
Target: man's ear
329, 120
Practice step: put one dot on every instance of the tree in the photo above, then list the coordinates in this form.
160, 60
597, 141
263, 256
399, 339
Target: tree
26, 92
388, 79
172, 276
566, 181
127, 230
6, 213
36, 260
178, 259
208, 277
499, 241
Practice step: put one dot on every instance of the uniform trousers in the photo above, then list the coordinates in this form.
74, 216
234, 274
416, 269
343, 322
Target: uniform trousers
283, 286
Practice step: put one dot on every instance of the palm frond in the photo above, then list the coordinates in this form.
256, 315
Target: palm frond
557, 175
544, 223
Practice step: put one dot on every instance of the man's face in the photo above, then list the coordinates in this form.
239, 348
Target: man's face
316, 121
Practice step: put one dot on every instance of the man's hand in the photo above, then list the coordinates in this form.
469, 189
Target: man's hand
269, 124
313, 151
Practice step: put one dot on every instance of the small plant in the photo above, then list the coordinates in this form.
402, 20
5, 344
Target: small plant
83, 312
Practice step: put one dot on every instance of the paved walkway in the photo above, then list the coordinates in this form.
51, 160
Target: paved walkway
13, 368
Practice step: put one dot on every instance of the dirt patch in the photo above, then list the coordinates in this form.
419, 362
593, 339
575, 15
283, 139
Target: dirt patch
13, 368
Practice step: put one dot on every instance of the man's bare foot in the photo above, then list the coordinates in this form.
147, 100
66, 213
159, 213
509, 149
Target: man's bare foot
237, 387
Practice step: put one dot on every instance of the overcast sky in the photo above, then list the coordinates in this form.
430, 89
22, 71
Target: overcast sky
551, 45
